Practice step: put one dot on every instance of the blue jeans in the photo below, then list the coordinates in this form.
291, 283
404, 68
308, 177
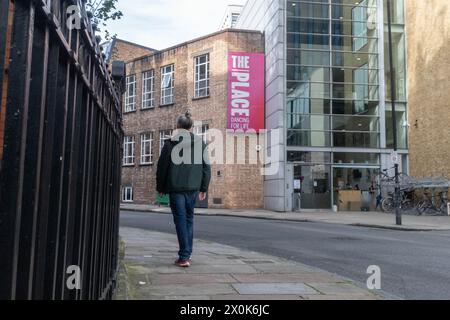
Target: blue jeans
182, 205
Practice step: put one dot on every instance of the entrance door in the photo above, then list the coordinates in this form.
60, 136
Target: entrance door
313, 184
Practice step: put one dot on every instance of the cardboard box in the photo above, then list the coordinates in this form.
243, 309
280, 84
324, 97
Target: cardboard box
348, 200
354, 206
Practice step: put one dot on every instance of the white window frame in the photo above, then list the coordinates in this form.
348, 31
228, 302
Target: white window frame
130, 94
128, 150
147, 140
125, 194
164, 136
201, 84
148, 89
234, 19
167, 84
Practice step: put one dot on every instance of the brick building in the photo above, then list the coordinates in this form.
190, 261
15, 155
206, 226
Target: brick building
428, 30
161, 87
122, 50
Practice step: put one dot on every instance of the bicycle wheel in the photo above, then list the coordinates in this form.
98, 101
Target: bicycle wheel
407, 205
443, 208
422, 206
387, 205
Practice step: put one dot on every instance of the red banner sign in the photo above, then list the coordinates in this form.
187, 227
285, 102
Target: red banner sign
246, 91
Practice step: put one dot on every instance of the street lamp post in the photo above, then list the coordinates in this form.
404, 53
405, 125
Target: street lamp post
398, 214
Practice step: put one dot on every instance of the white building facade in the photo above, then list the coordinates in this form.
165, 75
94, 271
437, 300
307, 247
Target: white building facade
231, 17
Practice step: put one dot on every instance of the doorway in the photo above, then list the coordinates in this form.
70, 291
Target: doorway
313, 184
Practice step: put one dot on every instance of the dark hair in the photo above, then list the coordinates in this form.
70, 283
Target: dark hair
185, 122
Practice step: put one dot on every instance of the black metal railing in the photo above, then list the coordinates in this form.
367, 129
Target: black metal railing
60, 155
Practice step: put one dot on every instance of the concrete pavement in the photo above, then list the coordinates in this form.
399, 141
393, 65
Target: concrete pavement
220, 272
364, 219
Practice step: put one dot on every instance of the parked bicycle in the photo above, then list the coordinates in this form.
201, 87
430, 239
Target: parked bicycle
431, 206
406, 202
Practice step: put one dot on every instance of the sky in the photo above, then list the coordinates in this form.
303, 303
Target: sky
160, 24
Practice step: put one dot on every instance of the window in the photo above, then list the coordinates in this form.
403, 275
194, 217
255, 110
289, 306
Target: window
202, 131
128, 151
163, 137
148, 89
167, 84
361, 87
130, 95
127, 194
359, 26
146, 148
234, 19
201, 76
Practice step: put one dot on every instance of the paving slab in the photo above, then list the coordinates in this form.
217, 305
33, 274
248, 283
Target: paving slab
182, 279
219, 272
226, 269
277, 268
210, 289
291, 278
274, 288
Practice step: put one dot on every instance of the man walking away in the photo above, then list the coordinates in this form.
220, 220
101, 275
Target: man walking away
184, 174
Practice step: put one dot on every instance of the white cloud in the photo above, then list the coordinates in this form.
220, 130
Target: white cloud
162, 23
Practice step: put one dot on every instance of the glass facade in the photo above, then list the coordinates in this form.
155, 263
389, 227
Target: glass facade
399, 57
332, 74
337, 103
334, 92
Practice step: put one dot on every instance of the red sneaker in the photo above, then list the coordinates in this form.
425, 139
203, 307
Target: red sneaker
182, 263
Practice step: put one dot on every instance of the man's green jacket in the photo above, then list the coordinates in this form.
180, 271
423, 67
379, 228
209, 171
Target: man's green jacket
183, 165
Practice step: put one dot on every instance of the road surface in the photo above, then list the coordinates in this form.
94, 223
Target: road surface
414, 265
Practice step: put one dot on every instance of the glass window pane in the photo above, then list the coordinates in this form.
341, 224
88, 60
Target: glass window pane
308, 122
355, 60
316, 74
308, 41
309, 157
398, 46
307, 9
397, 11
343, 43
308, 138
355, 140
356, 158
302, 57
355, 92
348, 75
402, 127
308, 25
308, 89
354, 107
355, 123
306, 106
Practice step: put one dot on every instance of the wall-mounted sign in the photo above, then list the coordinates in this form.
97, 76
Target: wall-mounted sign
246, 91
395, 158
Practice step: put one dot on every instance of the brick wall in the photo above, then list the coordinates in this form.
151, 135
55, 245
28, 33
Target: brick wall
237, 186
428, 34
127, 51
